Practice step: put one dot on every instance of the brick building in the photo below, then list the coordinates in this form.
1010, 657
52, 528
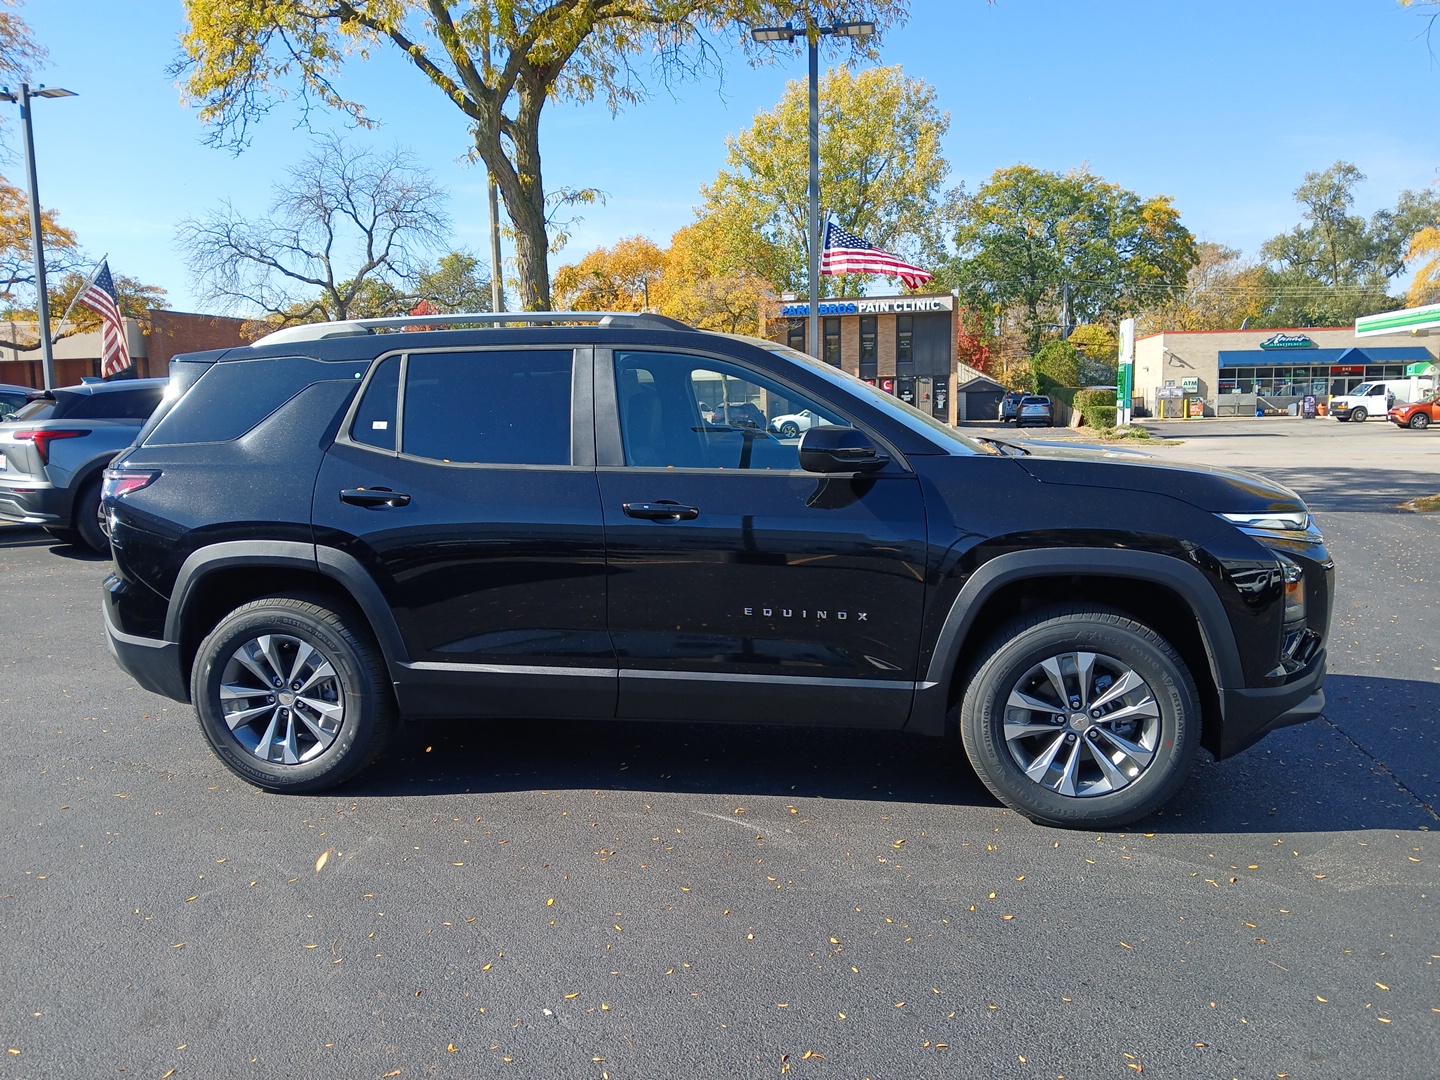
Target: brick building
78, 356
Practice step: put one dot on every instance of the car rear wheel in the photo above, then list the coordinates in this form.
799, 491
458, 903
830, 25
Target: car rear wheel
87, 518
292, 693
1081, 717
1420, 421
1358, 415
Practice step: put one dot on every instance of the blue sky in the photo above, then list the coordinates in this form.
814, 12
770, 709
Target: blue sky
1224, 105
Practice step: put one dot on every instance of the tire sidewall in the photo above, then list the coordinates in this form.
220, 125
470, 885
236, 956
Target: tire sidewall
86, 517
1130, 643
345, 756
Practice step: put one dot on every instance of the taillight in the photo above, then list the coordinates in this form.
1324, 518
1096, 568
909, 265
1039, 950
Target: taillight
43, 438
121, 482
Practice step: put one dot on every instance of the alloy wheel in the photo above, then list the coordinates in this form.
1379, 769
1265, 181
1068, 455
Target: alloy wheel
1082, 724
281, 699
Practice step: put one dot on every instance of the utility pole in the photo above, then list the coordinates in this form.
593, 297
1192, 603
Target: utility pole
813, 34
37, 243
497, 273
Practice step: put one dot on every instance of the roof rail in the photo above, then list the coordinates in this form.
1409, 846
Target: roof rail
360, 327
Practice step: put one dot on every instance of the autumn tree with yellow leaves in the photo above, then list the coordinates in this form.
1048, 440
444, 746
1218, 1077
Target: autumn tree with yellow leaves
498, 61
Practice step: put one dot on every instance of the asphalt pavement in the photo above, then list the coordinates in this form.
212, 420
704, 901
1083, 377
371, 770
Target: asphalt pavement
628, 900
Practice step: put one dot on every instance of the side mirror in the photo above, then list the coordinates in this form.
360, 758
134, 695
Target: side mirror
834, 449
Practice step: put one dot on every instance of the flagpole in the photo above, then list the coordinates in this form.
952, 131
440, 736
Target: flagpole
76, 298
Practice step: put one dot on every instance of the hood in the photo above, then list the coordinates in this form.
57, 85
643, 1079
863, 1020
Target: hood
1220, 491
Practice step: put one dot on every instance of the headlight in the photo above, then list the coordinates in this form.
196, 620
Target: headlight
1289, 521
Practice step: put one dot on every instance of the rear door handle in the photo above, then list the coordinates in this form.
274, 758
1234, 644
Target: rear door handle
661, 511
374, 498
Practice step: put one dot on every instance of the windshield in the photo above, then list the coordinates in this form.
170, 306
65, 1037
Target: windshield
914, 419
1361, 390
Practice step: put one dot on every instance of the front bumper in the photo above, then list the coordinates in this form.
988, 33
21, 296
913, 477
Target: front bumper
152, 662
1250, 714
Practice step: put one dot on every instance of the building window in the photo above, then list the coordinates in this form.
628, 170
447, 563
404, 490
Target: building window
832, 341
904, 343
796, 336
869, 347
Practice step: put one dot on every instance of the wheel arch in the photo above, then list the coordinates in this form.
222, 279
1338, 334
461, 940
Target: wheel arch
1172, 597
215, 580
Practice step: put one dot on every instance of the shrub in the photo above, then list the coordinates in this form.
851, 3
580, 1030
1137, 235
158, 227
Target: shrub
1100, 416
1086, 398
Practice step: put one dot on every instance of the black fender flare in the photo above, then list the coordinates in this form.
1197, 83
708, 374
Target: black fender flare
1188, 581
340, 566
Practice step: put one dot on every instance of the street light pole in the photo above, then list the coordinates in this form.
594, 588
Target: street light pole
813, 34
813, 335
37, 246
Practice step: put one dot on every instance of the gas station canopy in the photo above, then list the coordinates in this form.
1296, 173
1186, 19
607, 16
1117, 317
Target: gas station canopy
1421, 321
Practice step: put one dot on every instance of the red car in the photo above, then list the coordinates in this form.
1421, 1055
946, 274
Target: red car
1418, 415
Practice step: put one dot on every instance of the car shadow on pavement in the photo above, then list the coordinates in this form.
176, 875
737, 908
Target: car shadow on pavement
1371, 762
449, 757
1358, 491
1361, 767
23, 536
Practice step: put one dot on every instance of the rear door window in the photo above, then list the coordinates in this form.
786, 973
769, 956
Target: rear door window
493, 407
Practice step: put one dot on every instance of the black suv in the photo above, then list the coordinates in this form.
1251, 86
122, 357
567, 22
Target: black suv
348, 523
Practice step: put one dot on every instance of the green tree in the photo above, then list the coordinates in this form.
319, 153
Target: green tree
1056, 367
498, 61
457, 282
1036, 242
881, 175
1336, 265
343, 221
1222, 291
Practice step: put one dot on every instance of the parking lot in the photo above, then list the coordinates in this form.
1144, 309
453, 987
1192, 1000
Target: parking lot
623, 900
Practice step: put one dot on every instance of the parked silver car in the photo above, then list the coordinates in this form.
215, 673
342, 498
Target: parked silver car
54, 450
1035, 409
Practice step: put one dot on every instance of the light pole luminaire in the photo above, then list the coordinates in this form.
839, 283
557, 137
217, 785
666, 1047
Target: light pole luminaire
813, 34
37, 246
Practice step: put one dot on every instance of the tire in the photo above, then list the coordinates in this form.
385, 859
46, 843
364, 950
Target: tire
1358, 415
789, 429
65, 536
86, 516
337, 724
1155, 741
1420, 421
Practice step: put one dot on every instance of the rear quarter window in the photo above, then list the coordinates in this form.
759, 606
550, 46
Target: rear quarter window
231, 399
114, 405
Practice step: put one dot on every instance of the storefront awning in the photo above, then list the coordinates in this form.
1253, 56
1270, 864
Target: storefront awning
1399, 354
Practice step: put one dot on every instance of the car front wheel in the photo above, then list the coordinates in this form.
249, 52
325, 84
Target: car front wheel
789, 429
292, 693
1082, 718
1358, 415
1420, 421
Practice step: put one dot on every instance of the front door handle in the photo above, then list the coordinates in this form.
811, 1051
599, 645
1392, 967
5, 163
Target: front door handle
661, 511
374, 498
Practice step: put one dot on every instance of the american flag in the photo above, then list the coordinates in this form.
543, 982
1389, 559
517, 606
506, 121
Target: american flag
846, 253
100, 297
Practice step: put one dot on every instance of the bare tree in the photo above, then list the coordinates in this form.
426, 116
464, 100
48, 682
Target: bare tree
346, 219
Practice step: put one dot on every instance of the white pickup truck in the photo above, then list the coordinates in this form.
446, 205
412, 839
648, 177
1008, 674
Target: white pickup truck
1378, 398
